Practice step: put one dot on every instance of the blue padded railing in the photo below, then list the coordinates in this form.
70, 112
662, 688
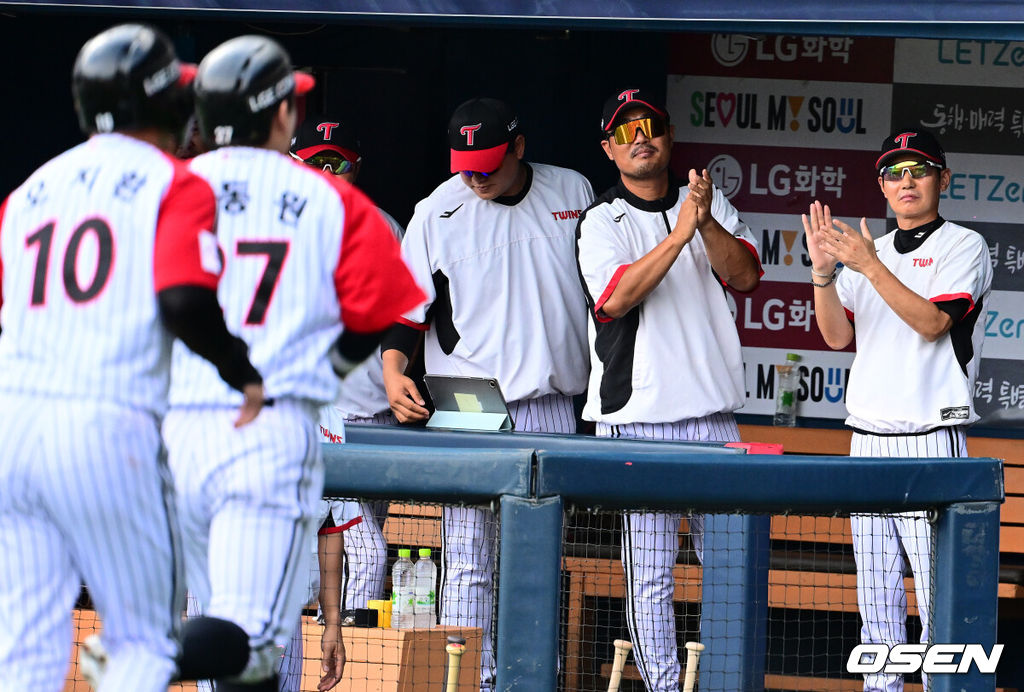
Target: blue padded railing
392, 435
533, 477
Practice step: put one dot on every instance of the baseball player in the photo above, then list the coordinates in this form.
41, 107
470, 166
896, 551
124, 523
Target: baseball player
349, 558
332, 145
311, 277
922, 287
654, 252
105, 252
493, 245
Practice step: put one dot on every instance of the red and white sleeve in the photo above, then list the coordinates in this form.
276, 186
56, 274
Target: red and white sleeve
374, 285
186, 252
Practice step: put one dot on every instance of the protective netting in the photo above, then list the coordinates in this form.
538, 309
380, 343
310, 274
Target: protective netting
464, 549
616, 586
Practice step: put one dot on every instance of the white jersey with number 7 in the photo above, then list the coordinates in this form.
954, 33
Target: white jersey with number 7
280, 291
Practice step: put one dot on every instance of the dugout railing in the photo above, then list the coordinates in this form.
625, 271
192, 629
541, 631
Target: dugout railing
532, 479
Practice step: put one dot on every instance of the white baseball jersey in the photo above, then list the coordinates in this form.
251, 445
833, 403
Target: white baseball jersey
920, 385
503, 300
304, 254
277, 221
362, 393
676, 356
80, 316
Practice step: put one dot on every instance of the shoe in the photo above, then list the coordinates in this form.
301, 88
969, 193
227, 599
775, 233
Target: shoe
92, 660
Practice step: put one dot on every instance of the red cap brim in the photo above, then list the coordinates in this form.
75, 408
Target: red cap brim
482, 160
631, 104
306, 152
188, 73
304, 82
908, 152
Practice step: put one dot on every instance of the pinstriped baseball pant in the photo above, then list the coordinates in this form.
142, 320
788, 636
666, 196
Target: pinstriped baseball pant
248, 501
364, 564
85, 496
365, 560
882, 544
468, 537
650, 545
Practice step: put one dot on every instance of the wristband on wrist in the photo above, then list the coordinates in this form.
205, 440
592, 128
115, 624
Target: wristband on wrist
831, 279
823, 276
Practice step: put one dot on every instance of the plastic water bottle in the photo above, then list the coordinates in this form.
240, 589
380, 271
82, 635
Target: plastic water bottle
402, 597
785, 390
425, 582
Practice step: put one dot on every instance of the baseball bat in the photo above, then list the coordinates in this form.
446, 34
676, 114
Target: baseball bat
693, 650
622, 649
455, 648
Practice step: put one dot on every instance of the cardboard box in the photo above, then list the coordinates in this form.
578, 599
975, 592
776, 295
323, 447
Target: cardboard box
378, 660
389, 660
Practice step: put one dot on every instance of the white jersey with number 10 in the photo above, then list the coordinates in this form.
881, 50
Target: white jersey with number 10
80, 316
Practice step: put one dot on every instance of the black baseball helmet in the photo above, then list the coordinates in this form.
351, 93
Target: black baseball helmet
127, 78
238, 86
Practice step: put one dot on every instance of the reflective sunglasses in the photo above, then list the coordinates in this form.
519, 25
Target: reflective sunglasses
333, 163
917, 170
651, 127
470, 174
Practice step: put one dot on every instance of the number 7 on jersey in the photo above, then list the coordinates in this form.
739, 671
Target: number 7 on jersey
276, 252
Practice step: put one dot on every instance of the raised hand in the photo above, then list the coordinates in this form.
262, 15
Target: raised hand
843, 243
701, 193
816, 221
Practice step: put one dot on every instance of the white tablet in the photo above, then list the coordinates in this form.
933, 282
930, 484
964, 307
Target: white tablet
467, 403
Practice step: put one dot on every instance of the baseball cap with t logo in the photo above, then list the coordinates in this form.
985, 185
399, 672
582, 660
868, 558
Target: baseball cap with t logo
327, 143
479, 133
911, 142
625, 99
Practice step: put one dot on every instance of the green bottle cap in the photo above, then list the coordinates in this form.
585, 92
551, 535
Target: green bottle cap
404, 552
424, 552
793, 357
